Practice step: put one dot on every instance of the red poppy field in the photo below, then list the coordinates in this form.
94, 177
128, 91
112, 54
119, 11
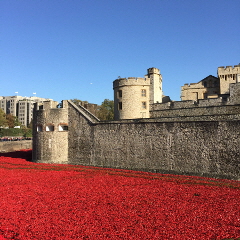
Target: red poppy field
50, 201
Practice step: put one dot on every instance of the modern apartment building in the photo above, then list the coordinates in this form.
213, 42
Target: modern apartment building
21, 107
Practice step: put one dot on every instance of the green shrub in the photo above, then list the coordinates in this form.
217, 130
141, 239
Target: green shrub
16, 132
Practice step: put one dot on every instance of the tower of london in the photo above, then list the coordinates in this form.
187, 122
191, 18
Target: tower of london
196, 136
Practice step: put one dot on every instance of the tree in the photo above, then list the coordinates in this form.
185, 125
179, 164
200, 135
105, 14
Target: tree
78, 101
17, 122
12, 121
27, 132
3, 121
106, 110
30, 125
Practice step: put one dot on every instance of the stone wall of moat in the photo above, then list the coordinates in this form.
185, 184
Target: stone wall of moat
207, 148
202, 140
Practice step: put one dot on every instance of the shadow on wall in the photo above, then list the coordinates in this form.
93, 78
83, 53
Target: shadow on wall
24, 154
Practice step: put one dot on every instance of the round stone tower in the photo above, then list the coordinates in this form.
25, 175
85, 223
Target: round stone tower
133, 96
50, 133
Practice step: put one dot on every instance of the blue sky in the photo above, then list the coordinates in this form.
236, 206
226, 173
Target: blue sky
65, 49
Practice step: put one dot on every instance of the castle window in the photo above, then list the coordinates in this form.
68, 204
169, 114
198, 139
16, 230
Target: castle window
63, 127
144, 92
233, 76
144, 105
120, 106
225, 77
39, 128
49, 128
119, 93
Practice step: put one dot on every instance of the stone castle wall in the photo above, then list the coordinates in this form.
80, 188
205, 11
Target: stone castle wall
208, 148
198, 138
13, 146
204, 109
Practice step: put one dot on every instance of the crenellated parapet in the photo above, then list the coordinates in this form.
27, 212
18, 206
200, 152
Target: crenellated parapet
228, 75
229, 68
131, 81
153, 71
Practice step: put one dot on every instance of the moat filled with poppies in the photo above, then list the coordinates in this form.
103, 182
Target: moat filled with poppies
53, 201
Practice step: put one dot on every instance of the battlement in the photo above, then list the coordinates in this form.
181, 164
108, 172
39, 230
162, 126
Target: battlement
228, 69
153, 71
46, 105
131, 81
190, 104
224, 105
189, 85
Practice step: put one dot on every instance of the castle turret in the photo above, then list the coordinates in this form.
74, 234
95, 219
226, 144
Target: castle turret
133, 96
155, 85
228, 75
